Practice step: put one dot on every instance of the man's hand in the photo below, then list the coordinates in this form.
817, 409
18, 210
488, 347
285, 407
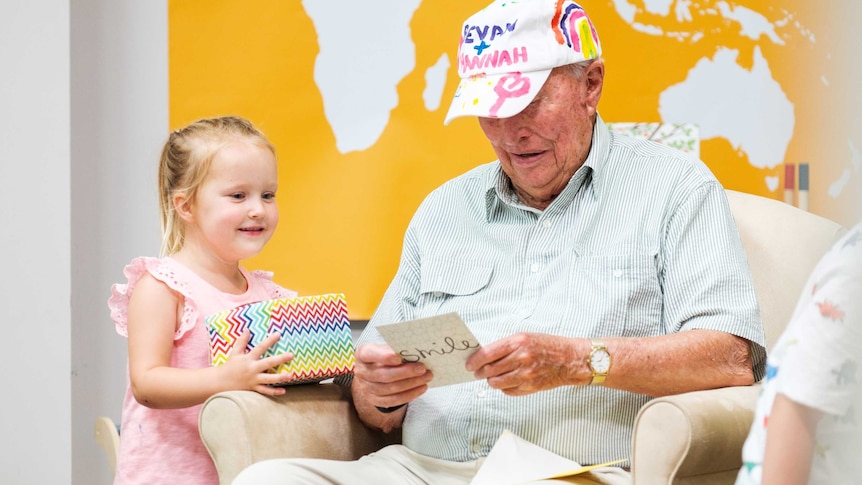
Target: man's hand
385, 380
381, 379
531, 362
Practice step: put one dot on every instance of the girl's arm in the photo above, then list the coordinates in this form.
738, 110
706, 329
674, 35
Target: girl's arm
790, 436
154, 313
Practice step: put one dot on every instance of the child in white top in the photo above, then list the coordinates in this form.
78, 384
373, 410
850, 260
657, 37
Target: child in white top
217, 183
808, 422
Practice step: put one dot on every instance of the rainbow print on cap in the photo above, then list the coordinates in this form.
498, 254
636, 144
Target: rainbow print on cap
572, 18
316, 329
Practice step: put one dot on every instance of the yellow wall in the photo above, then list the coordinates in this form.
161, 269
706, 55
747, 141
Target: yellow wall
343, 215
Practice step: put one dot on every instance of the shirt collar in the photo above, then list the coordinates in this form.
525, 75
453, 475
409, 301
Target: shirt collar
498, 186
498, 191
598, 155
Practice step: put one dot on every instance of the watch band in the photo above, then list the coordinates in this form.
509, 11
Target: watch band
598, 379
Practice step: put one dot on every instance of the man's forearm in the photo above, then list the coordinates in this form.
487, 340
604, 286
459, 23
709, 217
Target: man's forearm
682, 362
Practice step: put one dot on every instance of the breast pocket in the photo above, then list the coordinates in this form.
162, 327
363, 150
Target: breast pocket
616, 295
450, 286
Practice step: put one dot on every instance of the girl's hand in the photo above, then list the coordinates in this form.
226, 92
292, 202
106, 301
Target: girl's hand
247, 371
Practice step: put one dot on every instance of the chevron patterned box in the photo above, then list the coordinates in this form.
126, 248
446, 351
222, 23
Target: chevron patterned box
316, 329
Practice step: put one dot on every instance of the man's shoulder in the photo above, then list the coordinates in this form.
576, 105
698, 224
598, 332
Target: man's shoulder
459, 196
628, 147
474, 181
649, 159
484, 173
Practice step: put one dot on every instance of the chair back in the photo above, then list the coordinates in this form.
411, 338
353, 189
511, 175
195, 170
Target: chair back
783, 244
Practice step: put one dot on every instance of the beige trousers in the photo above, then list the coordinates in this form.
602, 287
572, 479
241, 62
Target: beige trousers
394, 464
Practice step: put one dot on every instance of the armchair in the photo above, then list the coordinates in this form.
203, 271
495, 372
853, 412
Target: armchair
692, 438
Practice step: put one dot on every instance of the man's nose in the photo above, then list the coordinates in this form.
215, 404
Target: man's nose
512, 128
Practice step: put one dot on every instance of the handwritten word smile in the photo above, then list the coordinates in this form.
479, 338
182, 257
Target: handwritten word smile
449, 347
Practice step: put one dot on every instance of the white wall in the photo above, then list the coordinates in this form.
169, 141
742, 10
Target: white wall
34, 238
83, 110
119, 113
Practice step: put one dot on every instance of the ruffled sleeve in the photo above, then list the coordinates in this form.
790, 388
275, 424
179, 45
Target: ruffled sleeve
273, 289
161, 270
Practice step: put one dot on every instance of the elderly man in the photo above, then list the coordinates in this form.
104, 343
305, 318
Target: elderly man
597, 270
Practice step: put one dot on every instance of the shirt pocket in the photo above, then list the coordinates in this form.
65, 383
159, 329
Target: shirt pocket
617, 295
449, 286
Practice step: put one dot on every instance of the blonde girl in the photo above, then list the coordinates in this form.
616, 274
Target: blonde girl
218, 179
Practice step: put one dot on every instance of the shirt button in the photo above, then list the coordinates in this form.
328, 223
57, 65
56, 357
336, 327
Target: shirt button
477, 447
534, 268
438, 294
546, 223
618, 273
480, 393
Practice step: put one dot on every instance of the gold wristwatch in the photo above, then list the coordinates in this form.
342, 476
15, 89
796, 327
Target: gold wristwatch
599, 362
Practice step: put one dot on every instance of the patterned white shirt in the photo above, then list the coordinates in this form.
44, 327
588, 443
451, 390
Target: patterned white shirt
815, 363
640, 243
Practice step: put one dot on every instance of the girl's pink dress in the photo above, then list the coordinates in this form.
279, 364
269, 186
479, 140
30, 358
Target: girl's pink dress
163, 446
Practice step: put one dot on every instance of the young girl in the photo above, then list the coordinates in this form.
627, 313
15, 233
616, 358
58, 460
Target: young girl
217, 185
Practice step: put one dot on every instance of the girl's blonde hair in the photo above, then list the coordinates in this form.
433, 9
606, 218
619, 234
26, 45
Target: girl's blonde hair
185, 162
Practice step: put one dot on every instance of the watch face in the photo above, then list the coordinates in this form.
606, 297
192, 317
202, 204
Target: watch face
600, 361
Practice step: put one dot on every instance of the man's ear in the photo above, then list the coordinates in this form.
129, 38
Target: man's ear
183, 206
595, 79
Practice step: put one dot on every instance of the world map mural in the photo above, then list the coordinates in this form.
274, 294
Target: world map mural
353, 95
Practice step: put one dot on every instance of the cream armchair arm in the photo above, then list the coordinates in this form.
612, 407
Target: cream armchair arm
692, 438
313, 420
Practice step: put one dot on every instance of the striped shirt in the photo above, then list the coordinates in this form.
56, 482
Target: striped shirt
640, 243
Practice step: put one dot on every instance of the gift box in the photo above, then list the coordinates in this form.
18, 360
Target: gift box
316, 329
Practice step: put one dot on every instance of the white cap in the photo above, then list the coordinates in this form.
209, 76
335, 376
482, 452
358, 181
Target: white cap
508, 49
